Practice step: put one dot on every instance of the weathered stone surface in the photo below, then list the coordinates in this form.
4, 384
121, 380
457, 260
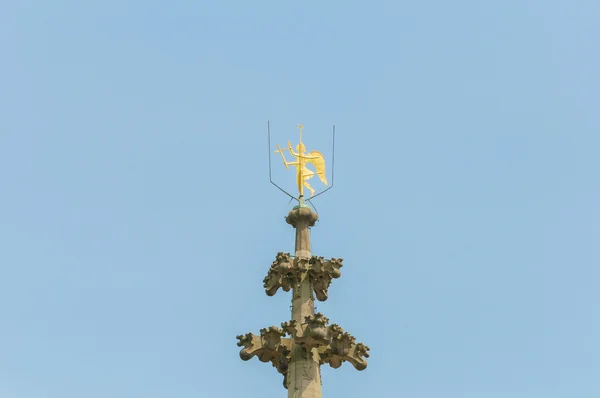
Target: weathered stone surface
312, 342
315, 332
342, 348
321, 272
291, 327
269, 346
334, 345
302, 217
286, 273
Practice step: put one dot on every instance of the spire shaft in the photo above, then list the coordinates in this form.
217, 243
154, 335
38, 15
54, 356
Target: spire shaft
304, 375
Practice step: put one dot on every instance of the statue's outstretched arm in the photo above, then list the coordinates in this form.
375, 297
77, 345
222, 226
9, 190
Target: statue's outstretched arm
291, 148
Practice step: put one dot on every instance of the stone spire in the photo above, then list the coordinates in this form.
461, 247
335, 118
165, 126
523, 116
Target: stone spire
311, 342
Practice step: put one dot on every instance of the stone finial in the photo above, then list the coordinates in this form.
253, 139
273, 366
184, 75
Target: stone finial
302, 215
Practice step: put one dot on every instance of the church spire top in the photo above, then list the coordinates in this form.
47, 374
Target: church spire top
311, 341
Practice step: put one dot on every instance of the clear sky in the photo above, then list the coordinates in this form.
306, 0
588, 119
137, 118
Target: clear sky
138, 221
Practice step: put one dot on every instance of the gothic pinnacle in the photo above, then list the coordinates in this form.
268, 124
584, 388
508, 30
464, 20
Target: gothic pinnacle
307, 341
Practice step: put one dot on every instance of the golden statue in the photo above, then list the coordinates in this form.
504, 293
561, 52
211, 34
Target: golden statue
303, 173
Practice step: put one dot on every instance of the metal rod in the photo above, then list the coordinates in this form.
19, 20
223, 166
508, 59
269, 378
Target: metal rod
332, 167
313, 205
301, 166
270, 175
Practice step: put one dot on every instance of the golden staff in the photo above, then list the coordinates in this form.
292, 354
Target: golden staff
301, 162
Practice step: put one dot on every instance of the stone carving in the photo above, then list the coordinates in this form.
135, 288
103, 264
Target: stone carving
290, 327
343, 348
321, 273
334, 345
286, 273
312, 342
282, 274
314, 332
269, 346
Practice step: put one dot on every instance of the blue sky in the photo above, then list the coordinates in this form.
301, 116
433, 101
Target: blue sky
138, 220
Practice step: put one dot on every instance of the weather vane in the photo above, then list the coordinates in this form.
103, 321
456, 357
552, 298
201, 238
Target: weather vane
303, 173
